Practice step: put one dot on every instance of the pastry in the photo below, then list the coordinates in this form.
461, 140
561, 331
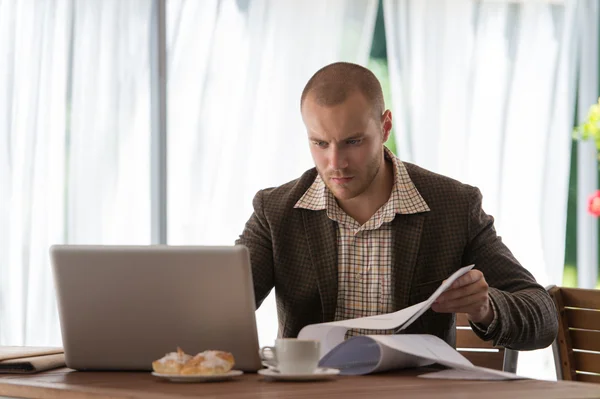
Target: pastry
171, 363
209, 363
205, 363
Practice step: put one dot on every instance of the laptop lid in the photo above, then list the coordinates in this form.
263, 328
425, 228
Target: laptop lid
121, 307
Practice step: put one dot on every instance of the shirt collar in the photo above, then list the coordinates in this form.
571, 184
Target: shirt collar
404, 199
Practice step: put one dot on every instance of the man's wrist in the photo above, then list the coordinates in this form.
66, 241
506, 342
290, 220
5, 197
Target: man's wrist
488, 315
490, 328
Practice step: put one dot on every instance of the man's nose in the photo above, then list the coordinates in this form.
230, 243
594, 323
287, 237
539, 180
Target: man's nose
338, 159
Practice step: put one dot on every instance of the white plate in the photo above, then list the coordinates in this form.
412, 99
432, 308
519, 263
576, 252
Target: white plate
200, 378
319, 374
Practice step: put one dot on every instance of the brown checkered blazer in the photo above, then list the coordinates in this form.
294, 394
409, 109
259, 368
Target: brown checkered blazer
295, 251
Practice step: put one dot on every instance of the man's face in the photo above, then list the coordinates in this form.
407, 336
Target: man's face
346, 142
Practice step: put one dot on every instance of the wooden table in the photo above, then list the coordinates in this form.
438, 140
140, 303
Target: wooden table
66, 383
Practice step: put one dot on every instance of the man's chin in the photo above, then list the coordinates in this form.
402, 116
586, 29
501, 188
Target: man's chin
343, 194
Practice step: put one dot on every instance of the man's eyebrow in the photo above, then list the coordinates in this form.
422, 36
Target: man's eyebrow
353, 137
356, 136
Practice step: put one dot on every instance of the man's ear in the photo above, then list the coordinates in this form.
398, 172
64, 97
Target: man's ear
386, 122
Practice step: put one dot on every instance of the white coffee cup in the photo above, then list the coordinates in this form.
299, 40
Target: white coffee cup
293, 356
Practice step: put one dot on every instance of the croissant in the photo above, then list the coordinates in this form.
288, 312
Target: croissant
209, 363
171, 363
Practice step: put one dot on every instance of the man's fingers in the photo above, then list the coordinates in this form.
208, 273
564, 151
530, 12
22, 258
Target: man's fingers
468, 278
479, 285
468, 294
468, 304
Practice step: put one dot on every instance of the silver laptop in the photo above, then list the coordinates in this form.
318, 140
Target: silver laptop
121, 307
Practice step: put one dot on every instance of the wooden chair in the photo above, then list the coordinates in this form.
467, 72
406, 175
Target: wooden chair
482, 353
577, 346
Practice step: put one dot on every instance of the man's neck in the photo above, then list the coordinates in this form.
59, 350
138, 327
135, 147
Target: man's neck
363, 207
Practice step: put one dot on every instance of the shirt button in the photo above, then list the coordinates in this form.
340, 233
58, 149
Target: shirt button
358, 277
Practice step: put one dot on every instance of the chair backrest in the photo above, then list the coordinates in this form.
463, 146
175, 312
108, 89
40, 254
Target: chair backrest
577, 346
482, 353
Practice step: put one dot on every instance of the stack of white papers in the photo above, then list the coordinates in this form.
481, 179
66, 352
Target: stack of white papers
375, 353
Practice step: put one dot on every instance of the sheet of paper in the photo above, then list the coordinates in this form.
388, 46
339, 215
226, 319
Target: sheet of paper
473, 374
425, 346
381, 322
402, 318
374, 353
435, 349
332, 333
365, 355
329, 336
443, 287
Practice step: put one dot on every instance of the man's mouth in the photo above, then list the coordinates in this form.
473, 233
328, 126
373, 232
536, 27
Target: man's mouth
341, 180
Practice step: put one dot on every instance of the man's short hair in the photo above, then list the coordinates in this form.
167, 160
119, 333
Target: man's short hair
334, 83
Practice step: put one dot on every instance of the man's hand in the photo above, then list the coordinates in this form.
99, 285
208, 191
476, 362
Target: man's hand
468, 294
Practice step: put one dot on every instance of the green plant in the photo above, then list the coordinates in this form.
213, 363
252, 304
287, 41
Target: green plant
590, 128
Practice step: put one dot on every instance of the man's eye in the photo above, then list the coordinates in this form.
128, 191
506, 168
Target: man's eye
354, 141
321, 144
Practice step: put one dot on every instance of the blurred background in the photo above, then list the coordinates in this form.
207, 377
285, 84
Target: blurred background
156, 121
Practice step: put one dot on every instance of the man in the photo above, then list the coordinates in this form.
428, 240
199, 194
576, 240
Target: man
364, 233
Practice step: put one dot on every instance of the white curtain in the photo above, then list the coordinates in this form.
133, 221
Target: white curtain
33, 74
74, 144
483, 91
108, 186
75, 126
236, 71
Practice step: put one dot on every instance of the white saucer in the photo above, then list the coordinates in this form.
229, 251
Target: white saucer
200, 378
319, 374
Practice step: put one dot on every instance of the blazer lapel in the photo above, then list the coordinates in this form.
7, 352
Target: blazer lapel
407, 229
321, 235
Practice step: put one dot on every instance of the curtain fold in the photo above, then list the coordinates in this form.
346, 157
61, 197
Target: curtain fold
234, 106
108, 136
34, 40
74, 145
484, 92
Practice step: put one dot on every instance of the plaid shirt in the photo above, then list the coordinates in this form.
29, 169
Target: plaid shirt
365, 252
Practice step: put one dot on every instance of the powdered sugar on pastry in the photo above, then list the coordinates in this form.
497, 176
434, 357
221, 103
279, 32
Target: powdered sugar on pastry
212, 360
179, 357
209, 363
171, 363
205, 363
